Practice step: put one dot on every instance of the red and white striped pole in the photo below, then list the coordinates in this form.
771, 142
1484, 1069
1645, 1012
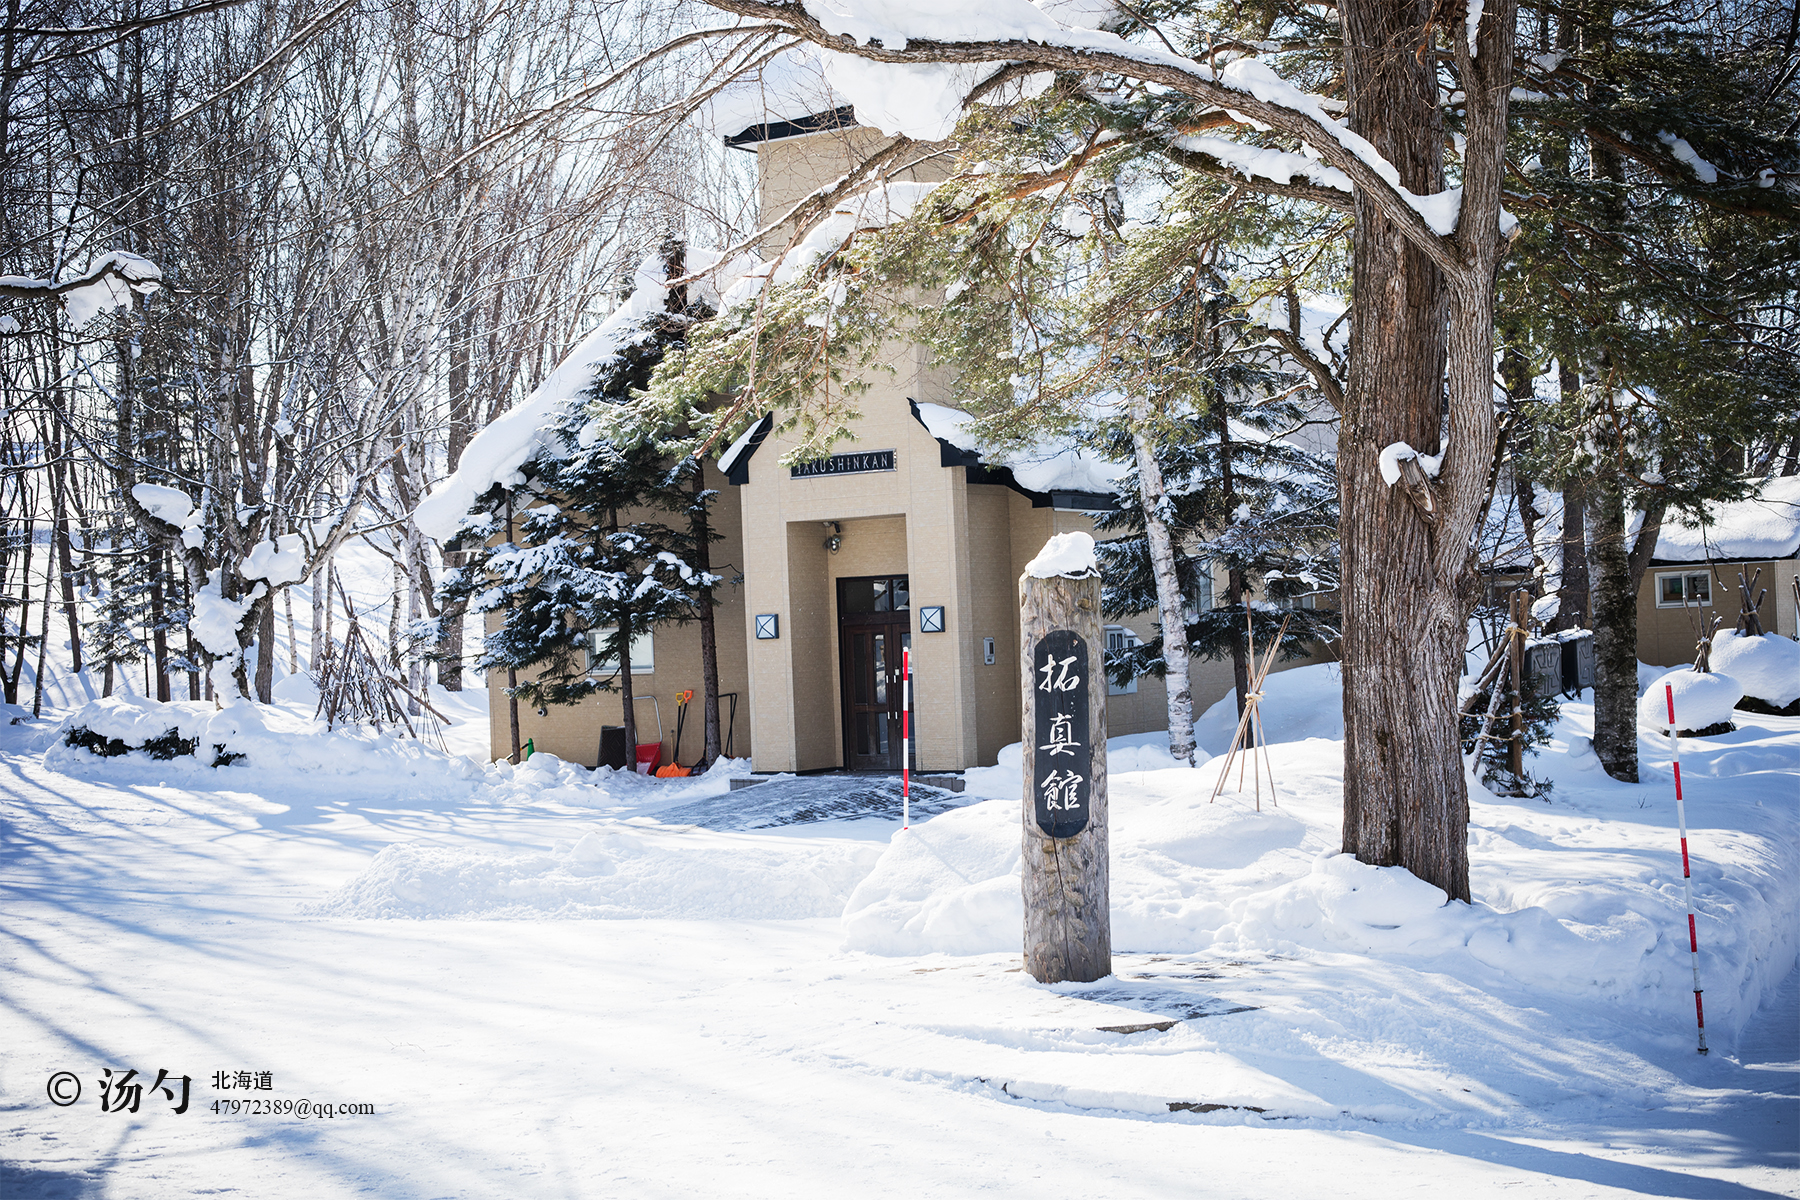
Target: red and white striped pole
905, 739
1687, 876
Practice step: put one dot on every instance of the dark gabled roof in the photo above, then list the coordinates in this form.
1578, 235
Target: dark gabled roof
837, 118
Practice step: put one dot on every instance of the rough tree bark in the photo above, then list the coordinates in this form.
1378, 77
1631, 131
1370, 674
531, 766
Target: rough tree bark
1618, 570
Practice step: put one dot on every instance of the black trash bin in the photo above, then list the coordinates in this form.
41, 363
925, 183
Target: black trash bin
612, 746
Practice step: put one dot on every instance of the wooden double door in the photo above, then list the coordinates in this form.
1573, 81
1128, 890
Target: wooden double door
874, 631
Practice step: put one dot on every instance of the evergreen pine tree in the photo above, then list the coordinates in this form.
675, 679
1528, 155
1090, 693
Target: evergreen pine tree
604, 537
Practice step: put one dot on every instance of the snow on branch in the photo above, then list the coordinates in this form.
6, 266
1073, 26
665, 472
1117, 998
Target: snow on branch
106, 284
939, 50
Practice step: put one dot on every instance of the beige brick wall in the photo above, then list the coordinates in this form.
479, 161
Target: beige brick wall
1666, 635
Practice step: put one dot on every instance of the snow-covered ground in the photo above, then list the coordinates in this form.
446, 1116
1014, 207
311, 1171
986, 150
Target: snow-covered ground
543, 989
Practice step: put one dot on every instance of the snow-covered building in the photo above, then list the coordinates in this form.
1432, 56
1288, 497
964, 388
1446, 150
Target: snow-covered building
1694, 572
911, 538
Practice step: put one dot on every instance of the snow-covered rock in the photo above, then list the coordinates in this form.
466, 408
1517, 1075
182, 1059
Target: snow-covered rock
1768, 667
1700, 700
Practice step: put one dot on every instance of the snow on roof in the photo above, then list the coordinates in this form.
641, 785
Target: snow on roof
1043, 466
497, 453
789, 87
1765, 526
729, 459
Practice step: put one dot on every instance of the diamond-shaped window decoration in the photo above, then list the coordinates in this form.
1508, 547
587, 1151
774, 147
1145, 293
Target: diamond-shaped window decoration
768, 626
931, 619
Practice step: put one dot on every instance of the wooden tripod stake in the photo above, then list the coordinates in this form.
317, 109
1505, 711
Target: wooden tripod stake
1250, 723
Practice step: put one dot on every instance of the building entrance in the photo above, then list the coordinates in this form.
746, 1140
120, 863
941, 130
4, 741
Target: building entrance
874, 628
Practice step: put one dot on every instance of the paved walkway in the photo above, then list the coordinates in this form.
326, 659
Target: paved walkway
807, 799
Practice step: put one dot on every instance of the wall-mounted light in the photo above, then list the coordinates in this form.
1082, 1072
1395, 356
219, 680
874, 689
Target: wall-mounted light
834, 536
931, 619
768, 626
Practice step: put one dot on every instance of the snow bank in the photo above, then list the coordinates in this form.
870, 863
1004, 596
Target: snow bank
1700, 700
1070, 555
1768, 667
1298, 703
264, 737
617, 869
1590, 911
950, 884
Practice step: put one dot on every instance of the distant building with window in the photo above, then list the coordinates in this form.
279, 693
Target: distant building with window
1695, 569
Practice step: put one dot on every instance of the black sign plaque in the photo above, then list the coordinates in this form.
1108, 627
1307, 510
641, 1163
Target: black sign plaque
1062, 759
845, 464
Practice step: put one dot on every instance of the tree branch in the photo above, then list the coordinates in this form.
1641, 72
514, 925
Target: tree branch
1108, 53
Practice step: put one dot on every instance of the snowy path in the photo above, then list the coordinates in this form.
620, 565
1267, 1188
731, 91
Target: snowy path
153, 927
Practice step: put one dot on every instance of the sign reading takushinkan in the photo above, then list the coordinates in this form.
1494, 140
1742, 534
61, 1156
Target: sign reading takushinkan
845, 464
1062, 757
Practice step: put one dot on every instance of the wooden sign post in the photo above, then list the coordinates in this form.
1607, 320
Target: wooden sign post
1068, 920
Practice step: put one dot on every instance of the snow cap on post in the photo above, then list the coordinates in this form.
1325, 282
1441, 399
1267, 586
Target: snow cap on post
1070, 555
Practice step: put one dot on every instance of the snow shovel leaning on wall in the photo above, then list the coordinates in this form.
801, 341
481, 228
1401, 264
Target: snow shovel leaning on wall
675, 770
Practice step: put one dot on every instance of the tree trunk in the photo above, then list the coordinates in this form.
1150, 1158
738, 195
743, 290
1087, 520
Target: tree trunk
709, 641
1576, 602
319, 599
1065, 880
1404, 610
1170, 609
18, 667
159, 634
265, 652
37, 681
626, 700
1615, 639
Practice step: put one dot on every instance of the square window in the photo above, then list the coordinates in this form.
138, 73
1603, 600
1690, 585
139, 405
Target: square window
1677, 591
643, 653
931, 619
1119, 638
768, 626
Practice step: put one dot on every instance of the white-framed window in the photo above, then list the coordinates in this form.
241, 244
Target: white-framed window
1679, 590
643, 653
1120, 638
